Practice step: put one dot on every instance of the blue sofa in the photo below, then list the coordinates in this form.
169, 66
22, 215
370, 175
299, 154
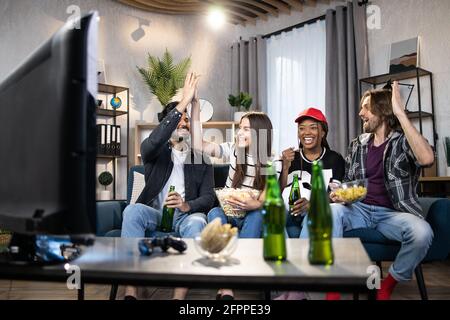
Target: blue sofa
109, 213
378, 247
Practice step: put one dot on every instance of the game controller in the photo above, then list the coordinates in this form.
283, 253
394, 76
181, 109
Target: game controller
146, 246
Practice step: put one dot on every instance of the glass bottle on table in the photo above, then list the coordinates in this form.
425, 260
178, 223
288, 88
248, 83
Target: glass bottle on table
274, 220
167, 216
320, 223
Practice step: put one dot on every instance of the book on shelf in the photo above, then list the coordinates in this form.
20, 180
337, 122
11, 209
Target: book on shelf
108, 140
117, 140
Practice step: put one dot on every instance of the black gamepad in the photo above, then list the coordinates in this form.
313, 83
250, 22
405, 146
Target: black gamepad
146, 246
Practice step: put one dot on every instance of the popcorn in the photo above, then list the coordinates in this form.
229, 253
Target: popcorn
351, 194
215, 236
225, 193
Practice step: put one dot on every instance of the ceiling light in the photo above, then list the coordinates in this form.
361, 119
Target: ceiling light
216, 18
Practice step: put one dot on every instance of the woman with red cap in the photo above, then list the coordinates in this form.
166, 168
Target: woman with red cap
312, 134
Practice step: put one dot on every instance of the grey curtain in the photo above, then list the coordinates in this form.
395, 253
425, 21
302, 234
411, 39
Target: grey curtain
248, 70
346, 62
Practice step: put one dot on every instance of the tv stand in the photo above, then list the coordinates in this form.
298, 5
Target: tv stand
26, 249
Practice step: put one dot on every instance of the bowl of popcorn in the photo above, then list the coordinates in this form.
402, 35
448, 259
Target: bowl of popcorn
224, 194
217, 241
351, 191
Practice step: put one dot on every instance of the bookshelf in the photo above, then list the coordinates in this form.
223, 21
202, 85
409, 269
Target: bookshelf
107, 115
417, 115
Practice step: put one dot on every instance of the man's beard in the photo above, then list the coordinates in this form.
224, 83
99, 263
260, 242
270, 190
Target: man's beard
373, 125
181, 137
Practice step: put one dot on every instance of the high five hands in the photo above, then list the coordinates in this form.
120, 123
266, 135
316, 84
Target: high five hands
190, 87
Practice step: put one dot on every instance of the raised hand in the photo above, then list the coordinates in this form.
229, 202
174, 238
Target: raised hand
190, 86
287, 156
398, 107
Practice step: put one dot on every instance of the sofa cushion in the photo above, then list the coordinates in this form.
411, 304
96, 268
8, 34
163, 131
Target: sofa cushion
138, 169
137, 186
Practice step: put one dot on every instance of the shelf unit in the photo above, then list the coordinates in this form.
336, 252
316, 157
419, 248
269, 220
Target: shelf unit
417, 74
111, 91
146, 126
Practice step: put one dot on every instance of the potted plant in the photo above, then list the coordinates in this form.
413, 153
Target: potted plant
164, 77
105, 179
242, 101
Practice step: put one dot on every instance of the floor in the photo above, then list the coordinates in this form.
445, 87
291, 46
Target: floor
437, 277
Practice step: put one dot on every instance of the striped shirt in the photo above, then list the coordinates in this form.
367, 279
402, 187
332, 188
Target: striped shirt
400, 165
229, 155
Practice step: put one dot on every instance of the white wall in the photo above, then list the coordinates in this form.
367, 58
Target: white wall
25, 24
429, 19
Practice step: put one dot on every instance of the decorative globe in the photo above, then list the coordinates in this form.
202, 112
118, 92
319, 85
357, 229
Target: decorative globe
116, 102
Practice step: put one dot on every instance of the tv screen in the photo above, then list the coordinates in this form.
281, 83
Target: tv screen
48, 135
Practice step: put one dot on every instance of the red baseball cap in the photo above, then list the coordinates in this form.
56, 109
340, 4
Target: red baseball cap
312, 113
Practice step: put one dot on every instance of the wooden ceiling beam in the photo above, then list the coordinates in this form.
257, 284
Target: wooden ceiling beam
281, 6
296, 5
141, 6
310, 3
260, 5
257, 13
162, 5
251, 20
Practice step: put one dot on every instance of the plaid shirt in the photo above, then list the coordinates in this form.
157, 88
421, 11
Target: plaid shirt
401, 170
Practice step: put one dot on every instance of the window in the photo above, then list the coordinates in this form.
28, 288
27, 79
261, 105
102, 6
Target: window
295, 79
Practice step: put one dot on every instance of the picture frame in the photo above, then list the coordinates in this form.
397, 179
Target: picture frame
404, 55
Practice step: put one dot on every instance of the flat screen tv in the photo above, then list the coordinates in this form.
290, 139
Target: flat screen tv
48, 138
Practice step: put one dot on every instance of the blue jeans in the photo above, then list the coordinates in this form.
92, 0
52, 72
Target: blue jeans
250, 226
414, 233
138, 218
293, 224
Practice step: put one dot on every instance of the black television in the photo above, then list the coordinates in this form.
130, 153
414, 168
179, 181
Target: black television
48, 139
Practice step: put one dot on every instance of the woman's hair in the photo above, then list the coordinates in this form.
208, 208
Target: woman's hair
261, 127
381, 106
323, 142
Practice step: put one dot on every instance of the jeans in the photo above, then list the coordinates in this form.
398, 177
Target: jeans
294, 224
138, 218
414, 233
250, 226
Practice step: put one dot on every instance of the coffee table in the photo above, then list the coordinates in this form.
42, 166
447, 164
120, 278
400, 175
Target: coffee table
117, 261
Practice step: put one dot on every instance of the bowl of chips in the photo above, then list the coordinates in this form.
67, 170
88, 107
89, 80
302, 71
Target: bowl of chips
217, 241
351, 191
223, 194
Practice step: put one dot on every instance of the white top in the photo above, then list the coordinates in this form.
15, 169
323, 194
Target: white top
304, 177
228, 154
176, 178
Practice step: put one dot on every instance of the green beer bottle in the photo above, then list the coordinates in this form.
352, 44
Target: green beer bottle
167, 216
320, 223
274, 220
295, 193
